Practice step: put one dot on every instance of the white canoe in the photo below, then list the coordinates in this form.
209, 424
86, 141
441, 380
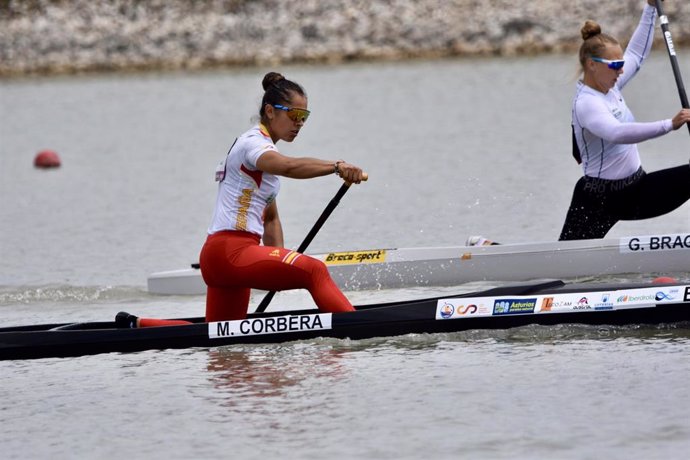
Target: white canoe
448, 266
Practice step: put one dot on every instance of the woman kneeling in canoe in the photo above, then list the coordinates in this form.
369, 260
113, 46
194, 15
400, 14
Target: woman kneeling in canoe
232, 259
614, 186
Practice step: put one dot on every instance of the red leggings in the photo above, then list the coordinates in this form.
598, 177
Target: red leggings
232, 262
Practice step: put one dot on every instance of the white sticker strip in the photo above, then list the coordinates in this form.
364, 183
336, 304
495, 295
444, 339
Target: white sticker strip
270, 325
669, 43
652, 243
560, 303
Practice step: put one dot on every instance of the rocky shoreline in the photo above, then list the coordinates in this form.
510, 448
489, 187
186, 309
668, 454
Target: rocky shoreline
71, 36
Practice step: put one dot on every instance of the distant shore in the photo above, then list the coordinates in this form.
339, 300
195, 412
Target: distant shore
72, 36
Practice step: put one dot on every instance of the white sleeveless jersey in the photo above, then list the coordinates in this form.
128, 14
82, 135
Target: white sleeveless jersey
604, 127
244, 191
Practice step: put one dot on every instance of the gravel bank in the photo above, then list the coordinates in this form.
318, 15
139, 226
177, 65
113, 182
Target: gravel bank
66, 36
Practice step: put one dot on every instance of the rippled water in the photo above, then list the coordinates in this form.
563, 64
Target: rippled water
453, 148
566, 392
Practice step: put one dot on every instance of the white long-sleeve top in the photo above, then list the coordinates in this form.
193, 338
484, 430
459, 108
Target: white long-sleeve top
605, 129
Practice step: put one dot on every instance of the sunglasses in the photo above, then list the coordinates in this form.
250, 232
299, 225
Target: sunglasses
615, 65
293, 113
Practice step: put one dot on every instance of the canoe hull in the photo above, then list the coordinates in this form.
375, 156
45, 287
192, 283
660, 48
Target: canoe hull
449, 266
549, 304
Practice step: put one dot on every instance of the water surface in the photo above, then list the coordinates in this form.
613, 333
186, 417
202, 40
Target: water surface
453, 148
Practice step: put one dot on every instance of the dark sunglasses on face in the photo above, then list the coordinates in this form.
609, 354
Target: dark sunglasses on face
294, 113
615, 65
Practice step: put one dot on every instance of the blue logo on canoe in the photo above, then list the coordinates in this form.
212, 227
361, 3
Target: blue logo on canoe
447, 310
662, 296
514, 306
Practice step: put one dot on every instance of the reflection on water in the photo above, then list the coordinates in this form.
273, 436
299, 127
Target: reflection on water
270, 371
249, 376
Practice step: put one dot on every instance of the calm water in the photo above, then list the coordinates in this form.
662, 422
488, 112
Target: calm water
453, 148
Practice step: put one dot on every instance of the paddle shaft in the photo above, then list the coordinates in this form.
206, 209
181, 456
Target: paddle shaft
310, 236
672, 55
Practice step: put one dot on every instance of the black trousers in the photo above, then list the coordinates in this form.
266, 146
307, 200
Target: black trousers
598, 204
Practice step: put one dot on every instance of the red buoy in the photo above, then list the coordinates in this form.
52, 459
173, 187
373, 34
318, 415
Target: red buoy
47, 159
664, 279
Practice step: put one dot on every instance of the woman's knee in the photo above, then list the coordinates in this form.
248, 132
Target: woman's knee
223, 304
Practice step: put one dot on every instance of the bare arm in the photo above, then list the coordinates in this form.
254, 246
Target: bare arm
305, 168
273, 229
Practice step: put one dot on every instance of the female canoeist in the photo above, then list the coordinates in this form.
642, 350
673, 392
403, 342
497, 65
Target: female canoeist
614, 186
232, 260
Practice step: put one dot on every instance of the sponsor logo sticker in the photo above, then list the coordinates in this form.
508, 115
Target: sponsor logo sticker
514, 306
605, 302
271, 325
569, 302
463, 308
560, 303
546, 304
373, 256
641, 296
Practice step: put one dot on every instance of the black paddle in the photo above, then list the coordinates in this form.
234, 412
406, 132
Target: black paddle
672, 55
312, 233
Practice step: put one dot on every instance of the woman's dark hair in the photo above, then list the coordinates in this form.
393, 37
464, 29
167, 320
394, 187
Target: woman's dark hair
278, 90
594, 41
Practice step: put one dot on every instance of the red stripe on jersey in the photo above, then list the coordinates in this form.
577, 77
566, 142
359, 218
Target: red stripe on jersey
255, 175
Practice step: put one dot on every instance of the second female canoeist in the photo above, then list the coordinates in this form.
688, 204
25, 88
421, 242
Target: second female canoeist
615, 186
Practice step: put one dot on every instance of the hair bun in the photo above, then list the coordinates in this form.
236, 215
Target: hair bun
590, 29
271, 78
